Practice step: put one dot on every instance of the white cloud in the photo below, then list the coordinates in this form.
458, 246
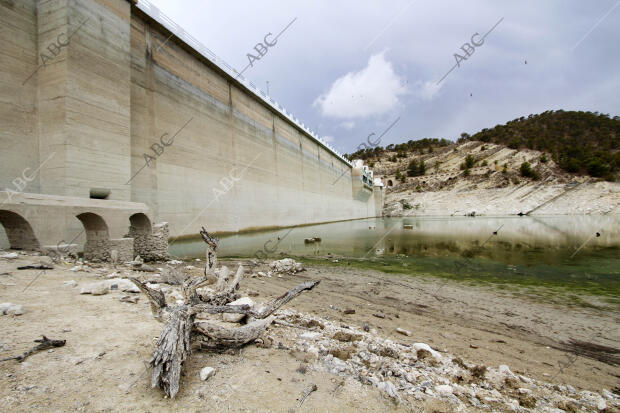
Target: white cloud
328, 138
348, 125
427, 90
374, 90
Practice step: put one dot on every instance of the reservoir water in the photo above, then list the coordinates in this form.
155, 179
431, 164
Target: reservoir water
580, 253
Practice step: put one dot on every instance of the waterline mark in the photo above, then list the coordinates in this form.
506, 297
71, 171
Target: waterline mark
158, 149
54, 48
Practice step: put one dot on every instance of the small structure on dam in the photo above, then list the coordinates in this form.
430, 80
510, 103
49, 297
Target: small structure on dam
120, 130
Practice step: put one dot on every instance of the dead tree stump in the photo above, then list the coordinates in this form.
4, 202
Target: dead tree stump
181, 331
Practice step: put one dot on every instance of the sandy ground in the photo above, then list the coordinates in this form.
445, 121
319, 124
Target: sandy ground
101, 368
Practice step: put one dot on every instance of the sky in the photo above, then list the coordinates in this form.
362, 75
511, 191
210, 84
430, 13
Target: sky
412, 69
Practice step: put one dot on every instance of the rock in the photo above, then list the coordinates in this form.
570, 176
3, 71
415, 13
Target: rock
11, 309
346, 336
133, 299
286, 265
71, 283
114, 256
403, 331
122, 285
207, 373
444, 390
505, 370
366, 327
388, 388
174, 262
261, 274
234, 317
310, 335
426, 347
527, 401
349, 311
379, 315
9, 256
99, 288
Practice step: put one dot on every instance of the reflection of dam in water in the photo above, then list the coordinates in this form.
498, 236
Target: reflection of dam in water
551, 238
500, 238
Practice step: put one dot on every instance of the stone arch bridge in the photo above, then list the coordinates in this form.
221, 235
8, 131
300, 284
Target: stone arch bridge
60, 225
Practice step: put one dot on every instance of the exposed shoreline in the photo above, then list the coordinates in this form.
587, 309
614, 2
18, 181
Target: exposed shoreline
480, 325
538, 199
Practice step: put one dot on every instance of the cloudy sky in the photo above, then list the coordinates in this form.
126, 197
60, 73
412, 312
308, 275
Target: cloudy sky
352, 68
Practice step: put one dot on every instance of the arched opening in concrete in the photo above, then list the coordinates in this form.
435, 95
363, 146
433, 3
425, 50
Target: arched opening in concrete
390, 183
139, 223
18, 231
97, 247
140, 229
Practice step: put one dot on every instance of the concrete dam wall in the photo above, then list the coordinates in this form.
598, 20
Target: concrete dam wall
101, 101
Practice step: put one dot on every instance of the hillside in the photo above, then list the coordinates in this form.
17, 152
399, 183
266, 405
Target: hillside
439, 177
579, 142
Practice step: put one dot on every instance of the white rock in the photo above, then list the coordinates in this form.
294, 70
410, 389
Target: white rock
314, 352
234, 317
261, 274
505, 370
174, 262
99, 288
388, 388
71, 283
443, 389
123, 285
12, 309
403, 331
206, 373
424, 346
311, 335
286, 265
76, 268
9, 256
523, 390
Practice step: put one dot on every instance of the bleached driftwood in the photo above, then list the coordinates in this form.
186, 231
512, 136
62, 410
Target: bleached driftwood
181, 330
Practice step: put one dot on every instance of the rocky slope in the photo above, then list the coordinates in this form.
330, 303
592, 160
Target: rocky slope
492, 183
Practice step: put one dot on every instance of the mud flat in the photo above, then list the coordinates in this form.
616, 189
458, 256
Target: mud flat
557, 355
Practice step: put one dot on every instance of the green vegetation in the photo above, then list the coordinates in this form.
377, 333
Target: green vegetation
416, 168
402, 150
547, 282
399, 177
527, 171
579, 142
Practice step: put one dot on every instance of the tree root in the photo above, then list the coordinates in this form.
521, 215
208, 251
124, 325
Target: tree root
181, 329
45, 343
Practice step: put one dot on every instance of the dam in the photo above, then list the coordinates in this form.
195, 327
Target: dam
117, 122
